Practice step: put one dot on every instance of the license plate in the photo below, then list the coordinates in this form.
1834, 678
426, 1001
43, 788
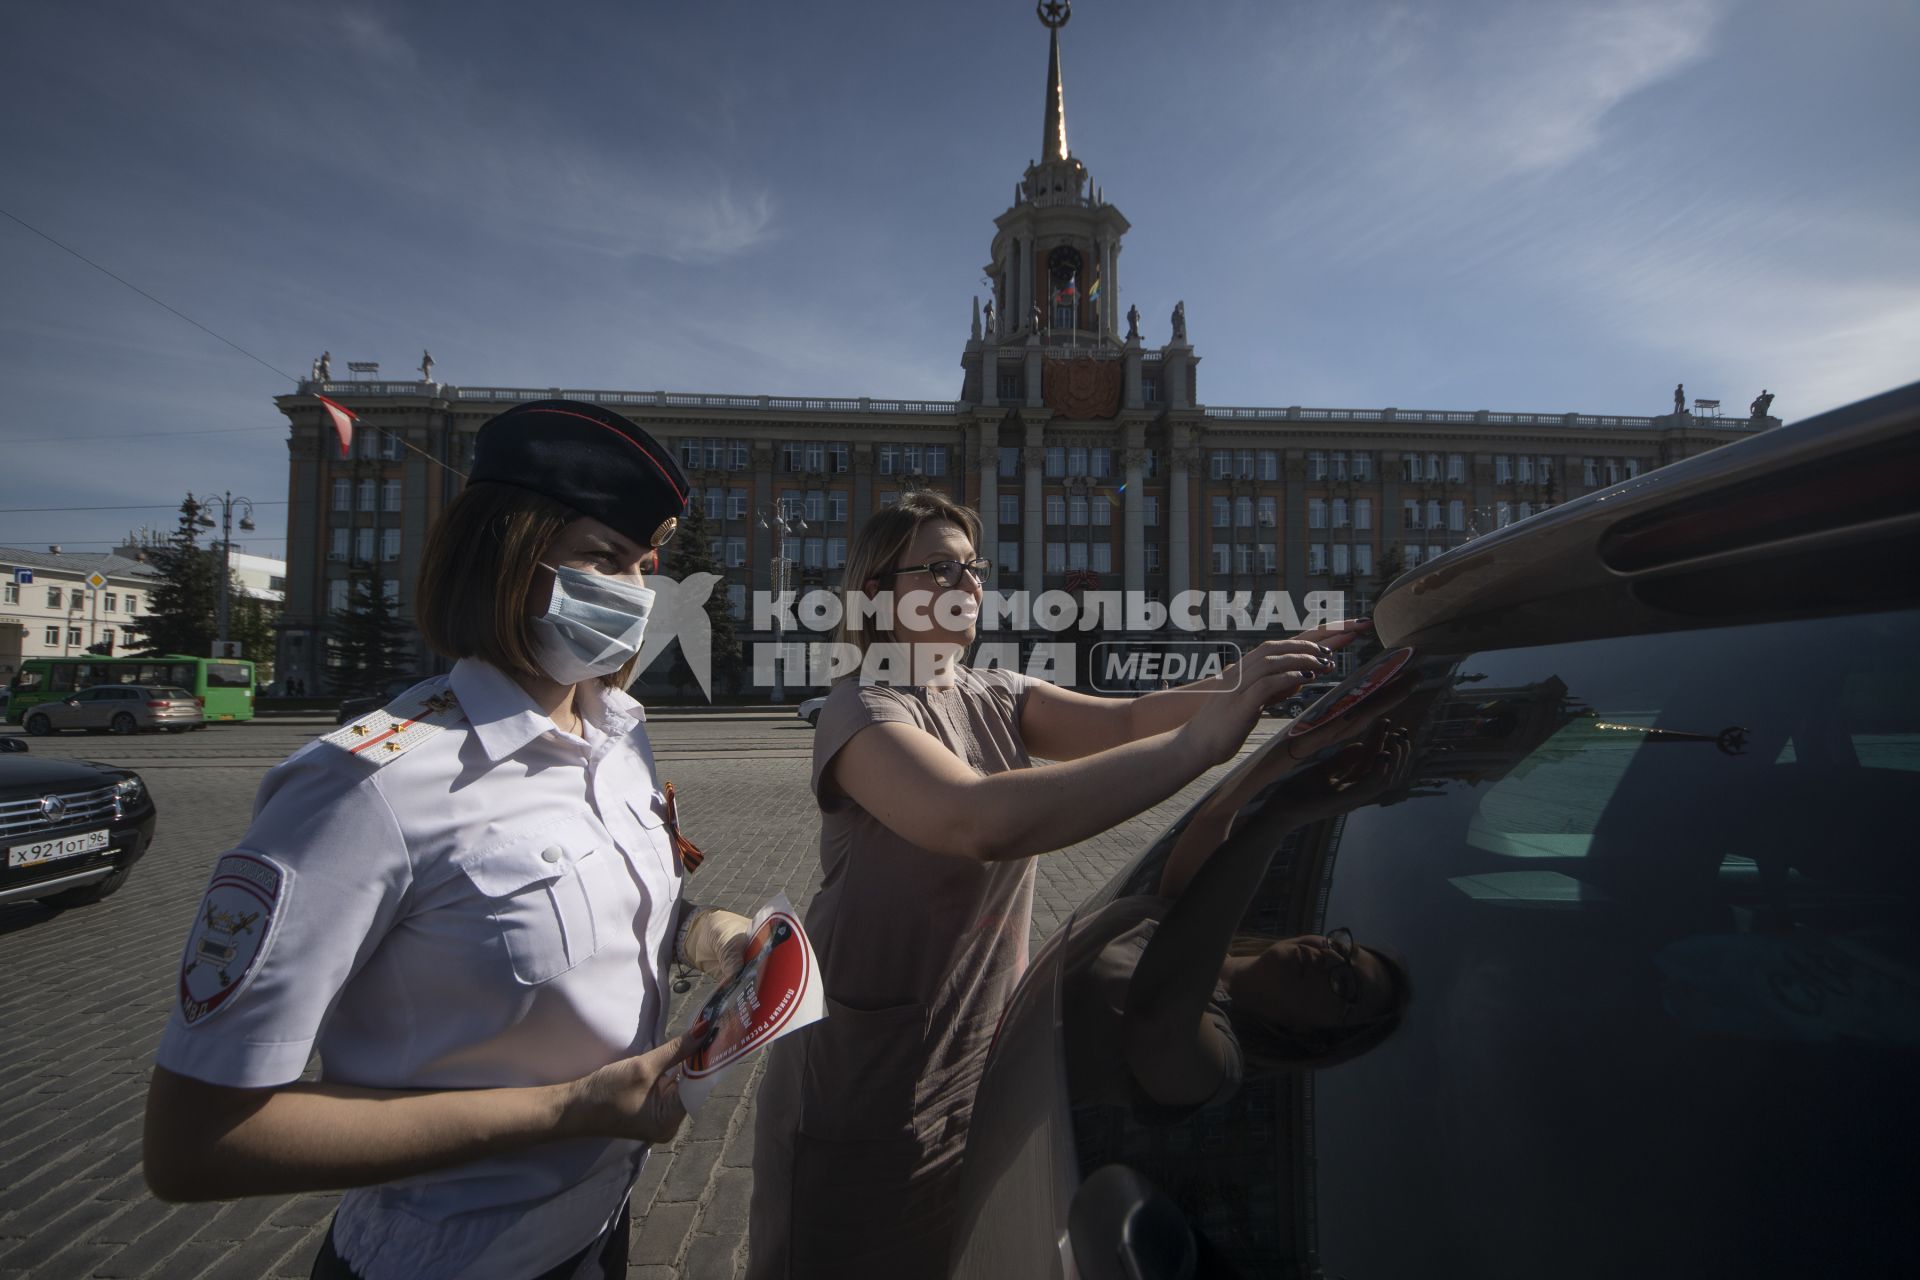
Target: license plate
28, 855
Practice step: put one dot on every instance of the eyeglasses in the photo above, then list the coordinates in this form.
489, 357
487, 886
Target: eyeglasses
1344, 978
947, 572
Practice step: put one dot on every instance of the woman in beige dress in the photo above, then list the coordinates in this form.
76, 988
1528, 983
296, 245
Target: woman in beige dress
931, 813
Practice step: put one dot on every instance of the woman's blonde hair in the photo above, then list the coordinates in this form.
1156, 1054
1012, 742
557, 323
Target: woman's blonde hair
881, 541
476, 574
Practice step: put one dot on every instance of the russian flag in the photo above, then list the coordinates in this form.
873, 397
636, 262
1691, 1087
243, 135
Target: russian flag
342, 422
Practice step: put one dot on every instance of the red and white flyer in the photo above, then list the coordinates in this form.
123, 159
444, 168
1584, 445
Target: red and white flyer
777, 990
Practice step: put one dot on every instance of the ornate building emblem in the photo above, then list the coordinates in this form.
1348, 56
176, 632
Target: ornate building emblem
1082, 388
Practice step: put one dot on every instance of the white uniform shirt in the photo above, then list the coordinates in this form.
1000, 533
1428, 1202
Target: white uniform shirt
492, 906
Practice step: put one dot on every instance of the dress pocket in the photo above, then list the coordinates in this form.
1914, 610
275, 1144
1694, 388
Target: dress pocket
537, 899
860, 1072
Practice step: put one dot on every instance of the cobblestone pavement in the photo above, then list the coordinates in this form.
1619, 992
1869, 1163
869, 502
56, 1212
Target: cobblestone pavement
89, 990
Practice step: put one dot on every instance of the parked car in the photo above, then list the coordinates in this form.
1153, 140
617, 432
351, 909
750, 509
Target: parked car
72, 829
1306, 696
119, 708
810, 710
360, 704
1650, 875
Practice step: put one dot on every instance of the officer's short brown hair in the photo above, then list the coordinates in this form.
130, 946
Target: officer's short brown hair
477, 572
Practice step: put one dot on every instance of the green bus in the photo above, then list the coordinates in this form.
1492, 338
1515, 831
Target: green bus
223, 685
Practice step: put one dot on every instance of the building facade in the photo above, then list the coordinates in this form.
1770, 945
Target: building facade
1091, 454
56, 604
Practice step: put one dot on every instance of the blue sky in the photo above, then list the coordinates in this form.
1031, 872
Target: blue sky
1502, 204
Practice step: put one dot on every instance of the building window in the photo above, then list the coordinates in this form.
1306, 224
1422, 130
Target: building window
691, 453
1076, 555
133, 602
1363, 466
1056, 557
1077, 460
888, 456
1269, 562
1103, 557
1457, 468
1056, 509
1457, 516
337, 595
1410, 514
1523, 468
1102, 463
816, 505
1222, 513
1009, 386
1502, 468
1525, 511
1316, 513
1243, 463
390, 495
837, 457
1243, 557
1009, 557
736, 552
1633, 467
1150, 505
73, 636
1220, 463
1056, 461
1409, 467
342, 494
1363, 513
1317, 557
389, 544
1410, 555
1077, 509
737, 599
1009, 509
363, 544
1150, 388
736, 504
53, 597
12, 593
791, 505
813, 553
1337, 467
1339, 513
1222, 565
837, 505
1433, 513
1009, 462
1316, 465
1591, 472
1502, 514
816, 456
936, 463
714, 503
1153, 462
52, 637
390, 592
1269, 461
338, 549
836, 552
1341, 559
1363, 559
739, 455
1613, 471
1153, 557
1243, 513
1102, 510
390, 446
1433, 466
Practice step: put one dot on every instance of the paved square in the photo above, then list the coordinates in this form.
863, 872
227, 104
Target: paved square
90, 989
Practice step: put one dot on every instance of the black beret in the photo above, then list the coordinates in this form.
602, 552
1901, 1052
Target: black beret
590, 458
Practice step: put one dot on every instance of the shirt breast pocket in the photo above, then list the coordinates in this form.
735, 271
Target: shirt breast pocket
537, 898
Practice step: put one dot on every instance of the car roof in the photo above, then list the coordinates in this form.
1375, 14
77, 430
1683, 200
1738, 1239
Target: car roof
1558, 554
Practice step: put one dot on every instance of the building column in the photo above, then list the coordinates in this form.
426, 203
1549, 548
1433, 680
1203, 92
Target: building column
1179, 566
1134, 455
1033, 565
987, 440
1024, 315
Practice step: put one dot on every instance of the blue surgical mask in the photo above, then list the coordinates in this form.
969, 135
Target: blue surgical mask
592, 626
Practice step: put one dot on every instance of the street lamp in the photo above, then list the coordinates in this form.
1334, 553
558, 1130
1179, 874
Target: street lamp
227, 503
788, 523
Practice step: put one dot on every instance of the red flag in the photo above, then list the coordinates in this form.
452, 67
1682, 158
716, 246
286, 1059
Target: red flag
342, 423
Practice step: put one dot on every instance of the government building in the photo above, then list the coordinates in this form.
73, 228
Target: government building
1092, 455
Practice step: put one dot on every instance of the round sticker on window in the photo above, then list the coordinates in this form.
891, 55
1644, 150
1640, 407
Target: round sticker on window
1370, 682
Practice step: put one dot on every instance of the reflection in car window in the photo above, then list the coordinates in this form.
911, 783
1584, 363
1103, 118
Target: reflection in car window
1657, 899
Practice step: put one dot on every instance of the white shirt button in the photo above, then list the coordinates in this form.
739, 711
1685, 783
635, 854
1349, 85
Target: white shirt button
551, 853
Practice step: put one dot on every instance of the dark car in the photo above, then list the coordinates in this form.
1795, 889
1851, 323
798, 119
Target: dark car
360, 704
71, 829
1649, 872
1306, 696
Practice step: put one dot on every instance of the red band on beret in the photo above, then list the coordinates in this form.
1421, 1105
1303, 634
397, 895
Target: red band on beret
664, 473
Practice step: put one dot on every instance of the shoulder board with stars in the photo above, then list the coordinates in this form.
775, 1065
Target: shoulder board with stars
400, 726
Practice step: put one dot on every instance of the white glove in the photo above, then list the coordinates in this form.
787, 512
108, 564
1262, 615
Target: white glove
716, 942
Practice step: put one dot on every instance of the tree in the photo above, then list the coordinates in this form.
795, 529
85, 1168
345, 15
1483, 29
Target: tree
691, 553
373, 645
250, 621
185, 595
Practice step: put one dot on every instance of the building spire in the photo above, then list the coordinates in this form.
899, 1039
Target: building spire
1053, 143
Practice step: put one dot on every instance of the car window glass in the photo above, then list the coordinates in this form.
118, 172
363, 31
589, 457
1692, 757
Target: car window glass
1658, 912
228, 675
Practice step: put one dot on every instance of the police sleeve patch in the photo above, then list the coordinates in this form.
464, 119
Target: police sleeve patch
231, 932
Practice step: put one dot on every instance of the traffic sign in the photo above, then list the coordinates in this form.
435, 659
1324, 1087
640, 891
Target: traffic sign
22, 577
96, 579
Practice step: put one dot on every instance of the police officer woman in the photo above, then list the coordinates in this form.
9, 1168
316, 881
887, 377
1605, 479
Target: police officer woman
467, 904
